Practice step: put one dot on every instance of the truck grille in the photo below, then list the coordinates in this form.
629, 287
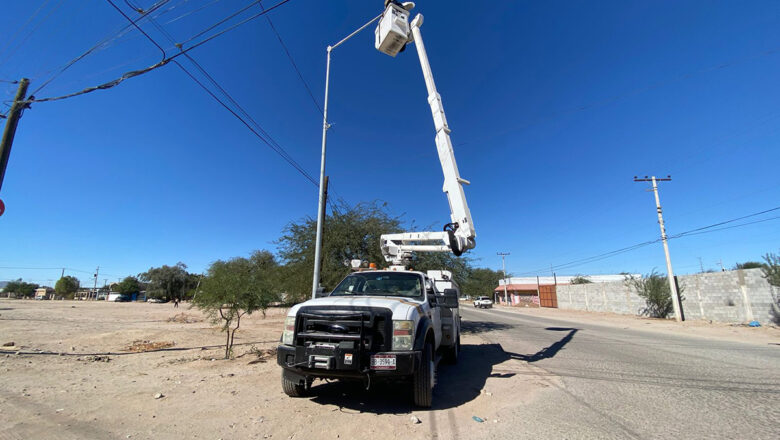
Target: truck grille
363, 328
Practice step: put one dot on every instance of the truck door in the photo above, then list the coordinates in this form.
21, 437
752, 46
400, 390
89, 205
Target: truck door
434, 312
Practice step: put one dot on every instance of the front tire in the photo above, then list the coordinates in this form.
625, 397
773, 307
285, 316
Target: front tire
423, 379
293, 388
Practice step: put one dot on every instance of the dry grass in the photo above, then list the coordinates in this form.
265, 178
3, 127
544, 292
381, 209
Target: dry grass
184, 318
141, 346
262, 354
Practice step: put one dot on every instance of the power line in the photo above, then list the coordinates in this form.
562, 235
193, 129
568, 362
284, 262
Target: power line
254, 127
686, 234
24, 40
696, 231
136, 25
217, 24
21, 28
193, 11
102, 43
726, 222
134, 73
292, 61
265, 137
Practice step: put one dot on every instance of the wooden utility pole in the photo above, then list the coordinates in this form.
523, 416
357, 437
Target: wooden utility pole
503, 268
669, 274
10, 126
320, 225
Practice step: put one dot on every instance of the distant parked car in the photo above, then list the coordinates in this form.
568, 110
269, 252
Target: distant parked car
483, 302
156, 300
123, 298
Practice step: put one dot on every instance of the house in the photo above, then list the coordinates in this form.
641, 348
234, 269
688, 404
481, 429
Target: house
44, 293
540, 291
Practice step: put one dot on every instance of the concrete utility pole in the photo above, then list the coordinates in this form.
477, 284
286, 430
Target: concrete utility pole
503, 268
669, 272
10, 126
97, 271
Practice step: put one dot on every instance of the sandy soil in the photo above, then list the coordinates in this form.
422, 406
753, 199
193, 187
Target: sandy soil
78, 370
767, 334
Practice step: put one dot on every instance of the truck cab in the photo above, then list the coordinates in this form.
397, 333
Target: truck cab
375, 325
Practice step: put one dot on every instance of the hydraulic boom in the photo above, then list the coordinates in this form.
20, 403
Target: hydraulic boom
458, 235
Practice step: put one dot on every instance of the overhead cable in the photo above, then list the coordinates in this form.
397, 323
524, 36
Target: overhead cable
292, 61
24, 40
696, 231
254, 127
97, 46
134, 73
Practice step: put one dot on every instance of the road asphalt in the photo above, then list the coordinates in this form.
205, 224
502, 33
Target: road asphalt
609, 382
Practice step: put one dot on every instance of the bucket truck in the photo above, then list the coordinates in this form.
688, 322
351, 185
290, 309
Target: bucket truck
393, 324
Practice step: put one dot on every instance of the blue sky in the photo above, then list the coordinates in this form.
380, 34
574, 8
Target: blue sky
554, 107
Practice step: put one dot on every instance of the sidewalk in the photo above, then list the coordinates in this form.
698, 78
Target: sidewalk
769, 334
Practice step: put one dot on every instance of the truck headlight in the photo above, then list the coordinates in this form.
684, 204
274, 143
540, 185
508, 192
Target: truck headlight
289, 330
403, 331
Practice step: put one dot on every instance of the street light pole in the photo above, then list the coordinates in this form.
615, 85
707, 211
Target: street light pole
315, 284
320, 208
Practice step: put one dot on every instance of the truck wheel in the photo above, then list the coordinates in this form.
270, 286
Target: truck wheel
423, 379
293, 388
451, 355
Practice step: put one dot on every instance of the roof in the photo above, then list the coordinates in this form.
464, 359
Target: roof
566, 279
516, 287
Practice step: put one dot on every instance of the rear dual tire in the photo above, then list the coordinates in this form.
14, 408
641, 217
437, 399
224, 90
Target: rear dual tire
452, 353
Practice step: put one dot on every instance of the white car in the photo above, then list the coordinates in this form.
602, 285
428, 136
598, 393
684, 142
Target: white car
483, 302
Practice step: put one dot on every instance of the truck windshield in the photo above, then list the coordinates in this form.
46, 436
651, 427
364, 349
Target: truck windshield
380, 284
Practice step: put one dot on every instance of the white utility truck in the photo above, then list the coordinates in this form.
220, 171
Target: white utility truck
391, 324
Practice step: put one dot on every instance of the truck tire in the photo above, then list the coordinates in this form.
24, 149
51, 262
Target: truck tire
294, 389
423, 378
452, 353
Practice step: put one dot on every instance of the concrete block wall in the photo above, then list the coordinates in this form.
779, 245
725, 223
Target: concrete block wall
737, 296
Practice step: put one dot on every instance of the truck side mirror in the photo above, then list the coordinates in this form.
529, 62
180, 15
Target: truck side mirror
321, 293
450, 298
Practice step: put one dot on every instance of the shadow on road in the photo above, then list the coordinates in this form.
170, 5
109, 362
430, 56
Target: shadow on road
547, 352
455, 385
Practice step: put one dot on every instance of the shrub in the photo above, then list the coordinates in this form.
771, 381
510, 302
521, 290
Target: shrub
654, 289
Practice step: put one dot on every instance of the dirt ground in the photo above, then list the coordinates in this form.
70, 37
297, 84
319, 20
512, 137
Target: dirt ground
84, 370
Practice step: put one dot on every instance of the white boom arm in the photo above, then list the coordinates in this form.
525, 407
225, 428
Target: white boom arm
458, 235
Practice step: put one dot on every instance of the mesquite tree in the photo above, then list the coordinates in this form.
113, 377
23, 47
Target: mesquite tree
237, 287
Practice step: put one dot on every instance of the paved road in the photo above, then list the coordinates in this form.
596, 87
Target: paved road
621, 383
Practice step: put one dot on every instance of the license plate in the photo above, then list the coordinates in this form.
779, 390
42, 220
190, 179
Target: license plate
383, 362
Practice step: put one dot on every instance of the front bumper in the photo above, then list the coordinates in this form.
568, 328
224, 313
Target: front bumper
343, 363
